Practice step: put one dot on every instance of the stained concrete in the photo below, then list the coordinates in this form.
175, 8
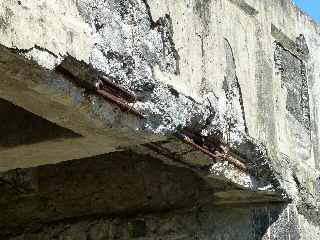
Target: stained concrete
239, 77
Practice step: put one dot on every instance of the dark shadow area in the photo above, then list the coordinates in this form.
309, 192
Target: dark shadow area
126, 185
20, 127
115, 184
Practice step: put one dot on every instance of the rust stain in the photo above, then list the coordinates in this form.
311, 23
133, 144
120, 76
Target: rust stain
105, 83
117, 95
217, 155
110, 91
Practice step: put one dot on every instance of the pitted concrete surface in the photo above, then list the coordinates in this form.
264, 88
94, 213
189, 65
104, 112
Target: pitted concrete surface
237, 77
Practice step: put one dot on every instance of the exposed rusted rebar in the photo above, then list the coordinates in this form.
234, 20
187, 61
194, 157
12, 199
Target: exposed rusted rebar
216, 155
125, 100
108, 90
124, 106
116, 90
117, 95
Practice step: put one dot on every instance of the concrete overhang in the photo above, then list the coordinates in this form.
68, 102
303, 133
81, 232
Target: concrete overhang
90, 125
67, 119
57, 115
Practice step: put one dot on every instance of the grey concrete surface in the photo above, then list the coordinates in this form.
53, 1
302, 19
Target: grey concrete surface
238, 77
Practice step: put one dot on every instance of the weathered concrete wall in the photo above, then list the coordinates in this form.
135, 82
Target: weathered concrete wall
237, 73
205, 223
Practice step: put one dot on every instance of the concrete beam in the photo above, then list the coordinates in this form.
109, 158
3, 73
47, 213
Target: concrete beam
100, 126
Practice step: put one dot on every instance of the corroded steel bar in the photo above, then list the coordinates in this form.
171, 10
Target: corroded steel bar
108, 90
215, 156
124, 106
110, 86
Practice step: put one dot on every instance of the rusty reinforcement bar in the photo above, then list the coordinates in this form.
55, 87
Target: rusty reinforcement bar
108, 90
116, 90
117, 95
120, 96
215, 156
123, 98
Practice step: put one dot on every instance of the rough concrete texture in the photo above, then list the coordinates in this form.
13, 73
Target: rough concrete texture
220, 84
203, 223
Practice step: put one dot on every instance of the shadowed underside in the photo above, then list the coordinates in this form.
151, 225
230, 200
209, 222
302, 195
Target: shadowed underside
137, 119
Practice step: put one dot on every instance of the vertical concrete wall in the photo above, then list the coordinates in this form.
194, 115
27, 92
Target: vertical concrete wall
257, 60
280, 94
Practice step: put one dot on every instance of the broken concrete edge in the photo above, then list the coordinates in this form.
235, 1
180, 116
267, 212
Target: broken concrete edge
268, 25
252, 155
248, 151
58, 88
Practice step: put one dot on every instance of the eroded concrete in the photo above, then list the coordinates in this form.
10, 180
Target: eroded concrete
237, 77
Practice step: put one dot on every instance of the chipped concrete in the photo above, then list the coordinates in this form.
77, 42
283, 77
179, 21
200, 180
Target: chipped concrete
238, 78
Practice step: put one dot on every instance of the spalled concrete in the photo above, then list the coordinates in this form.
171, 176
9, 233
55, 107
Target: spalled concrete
228, 99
